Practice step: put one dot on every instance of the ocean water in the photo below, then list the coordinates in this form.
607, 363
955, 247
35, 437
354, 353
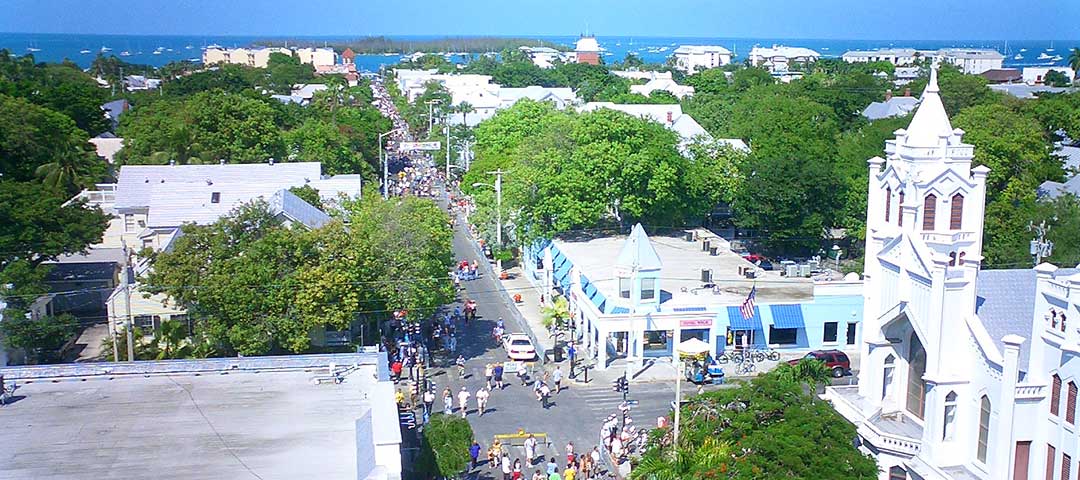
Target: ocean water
160, 50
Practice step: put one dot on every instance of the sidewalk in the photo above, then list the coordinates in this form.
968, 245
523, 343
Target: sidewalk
529, 306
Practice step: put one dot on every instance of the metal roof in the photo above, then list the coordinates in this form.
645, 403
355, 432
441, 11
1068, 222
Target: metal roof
137, 184
1005, 304
637, 252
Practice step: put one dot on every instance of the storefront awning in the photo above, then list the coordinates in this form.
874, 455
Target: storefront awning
593, 293
561, 274
787, 316
737, 322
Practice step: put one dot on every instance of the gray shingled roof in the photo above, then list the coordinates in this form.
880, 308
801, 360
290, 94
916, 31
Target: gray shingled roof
294, 208
1005, 303
1055, 189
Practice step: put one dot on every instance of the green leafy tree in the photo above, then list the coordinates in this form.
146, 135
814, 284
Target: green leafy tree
284, 71
1074, 59
712, 80
767, 428
1055, 78
791, 193
41, 338
444, 450
308, 194
32, 137
556, 313
321, 141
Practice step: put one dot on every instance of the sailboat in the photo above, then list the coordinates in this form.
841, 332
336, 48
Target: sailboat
105, 49
1051, 46
125, 53
1018, 57
84, 51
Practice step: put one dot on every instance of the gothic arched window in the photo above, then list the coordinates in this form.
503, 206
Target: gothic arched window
929, 212
956, 216
900, 216
984, 429
916, 386
888, 203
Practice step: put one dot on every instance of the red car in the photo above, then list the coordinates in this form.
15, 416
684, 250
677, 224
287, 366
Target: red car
835, 360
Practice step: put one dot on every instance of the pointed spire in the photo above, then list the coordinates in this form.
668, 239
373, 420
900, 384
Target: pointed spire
930, 122
932, 86
638, 252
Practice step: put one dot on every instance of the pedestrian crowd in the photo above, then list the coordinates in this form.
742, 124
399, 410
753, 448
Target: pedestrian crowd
584, 465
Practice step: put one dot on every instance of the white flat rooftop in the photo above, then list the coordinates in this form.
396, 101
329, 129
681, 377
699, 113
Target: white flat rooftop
248, 423
680, 275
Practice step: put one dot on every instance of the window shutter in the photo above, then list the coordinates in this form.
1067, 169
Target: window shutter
929, 212
1070, 405
900, 216
888, 203
956, 216
1066, 467
1055, 396
1051, 455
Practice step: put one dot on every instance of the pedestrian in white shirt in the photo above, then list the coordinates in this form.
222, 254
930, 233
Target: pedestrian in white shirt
481, 400
463, 401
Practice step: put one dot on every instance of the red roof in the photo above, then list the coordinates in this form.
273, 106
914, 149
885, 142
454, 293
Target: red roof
348, 53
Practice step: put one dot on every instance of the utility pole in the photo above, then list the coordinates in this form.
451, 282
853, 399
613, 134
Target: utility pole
127, 303
1040, 247
447, 124
677, 360
498, 215
431, 114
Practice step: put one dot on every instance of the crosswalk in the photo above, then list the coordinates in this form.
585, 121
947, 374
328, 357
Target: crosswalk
653, 400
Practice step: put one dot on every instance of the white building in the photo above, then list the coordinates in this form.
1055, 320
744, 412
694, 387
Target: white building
217, 417
694, 58
964, 373
672, 117
664, 84
971, 61
260, 57
892, 107
1037, 75
317, 56
633, 297
150, 203
544, 57
779, 58
895, 56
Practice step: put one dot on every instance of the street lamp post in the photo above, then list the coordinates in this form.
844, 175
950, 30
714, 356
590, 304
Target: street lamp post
447, 124
498, 213
385, 164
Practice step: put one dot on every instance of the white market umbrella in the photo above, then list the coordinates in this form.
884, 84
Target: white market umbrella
694, 346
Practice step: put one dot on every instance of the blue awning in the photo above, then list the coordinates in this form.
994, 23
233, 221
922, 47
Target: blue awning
620, 310
737, 322
561, 274
787, 316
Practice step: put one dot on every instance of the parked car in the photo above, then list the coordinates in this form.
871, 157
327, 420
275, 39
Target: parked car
765, 265
835, 360
519, 347
753, 257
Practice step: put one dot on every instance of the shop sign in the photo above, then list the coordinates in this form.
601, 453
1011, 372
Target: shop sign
696, 323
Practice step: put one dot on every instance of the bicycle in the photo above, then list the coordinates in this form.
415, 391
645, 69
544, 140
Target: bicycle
746, 367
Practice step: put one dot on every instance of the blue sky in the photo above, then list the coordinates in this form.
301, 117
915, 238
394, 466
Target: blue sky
841, 19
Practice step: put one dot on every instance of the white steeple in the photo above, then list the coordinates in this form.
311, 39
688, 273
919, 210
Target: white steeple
930, 123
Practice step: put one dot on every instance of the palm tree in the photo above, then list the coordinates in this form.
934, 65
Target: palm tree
465, 108
686, 462
810, 372
556, 313
1074, 59
67, 172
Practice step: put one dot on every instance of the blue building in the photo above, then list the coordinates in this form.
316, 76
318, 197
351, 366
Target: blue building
629, 295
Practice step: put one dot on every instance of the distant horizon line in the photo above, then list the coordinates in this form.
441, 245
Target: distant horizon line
528, 36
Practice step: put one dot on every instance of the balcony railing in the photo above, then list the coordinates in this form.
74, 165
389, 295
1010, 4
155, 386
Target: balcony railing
105, 194
1030, 392
937, 237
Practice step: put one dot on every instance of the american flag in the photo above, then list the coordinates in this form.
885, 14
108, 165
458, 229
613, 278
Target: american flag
747, 308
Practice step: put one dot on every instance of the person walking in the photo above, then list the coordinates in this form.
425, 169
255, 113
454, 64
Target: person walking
452, 342
506, 469
539, 476
570, 472
481, 400
474, 454
429, 401
461, 366
488, 372
516, 474
557, 378
523, 375
463, 401
530, 449
545, 396
498, 375
448, 402
569, 452
552, 467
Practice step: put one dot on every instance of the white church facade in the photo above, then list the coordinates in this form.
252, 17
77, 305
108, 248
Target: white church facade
966, 374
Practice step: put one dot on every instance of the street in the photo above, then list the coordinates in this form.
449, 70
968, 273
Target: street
575, 414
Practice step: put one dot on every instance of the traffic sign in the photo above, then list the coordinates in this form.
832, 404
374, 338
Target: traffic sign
410, 146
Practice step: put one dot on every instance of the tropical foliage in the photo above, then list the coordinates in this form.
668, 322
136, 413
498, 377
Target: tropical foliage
770, 427
255, 286
444, 450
